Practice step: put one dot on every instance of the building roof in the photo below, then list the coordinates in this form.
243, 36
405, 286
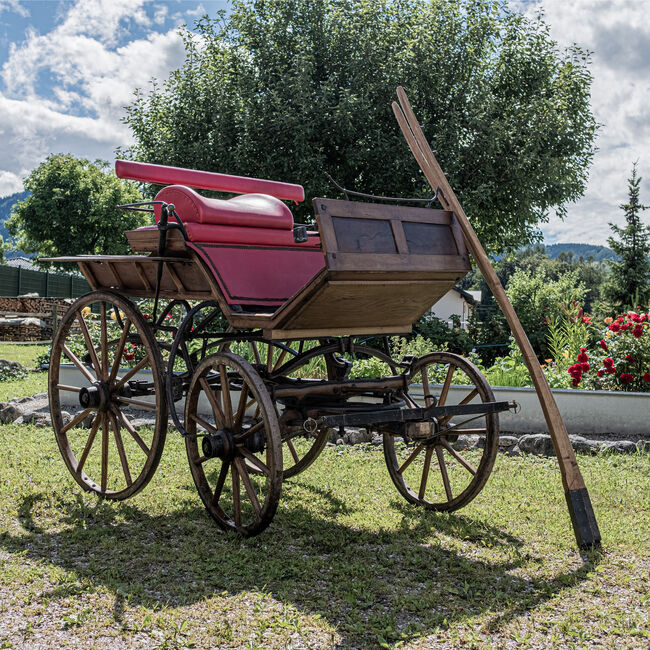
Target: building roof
22, 263
472, 297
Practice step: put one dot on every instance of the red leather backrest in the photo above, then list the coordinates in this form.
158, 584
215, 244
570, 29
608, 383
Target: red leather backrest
247, 210
164, 175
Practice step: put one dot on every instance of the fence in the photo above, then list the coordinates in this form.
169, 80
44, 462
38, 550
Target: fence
15, 281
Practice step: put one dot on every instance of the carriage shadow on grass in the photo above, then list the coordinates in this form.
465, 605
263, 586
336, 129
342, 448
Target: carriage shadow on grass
369, 584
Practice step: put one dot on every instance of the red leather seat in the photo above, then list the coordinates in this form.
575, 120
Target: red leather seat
246, 210
247, 243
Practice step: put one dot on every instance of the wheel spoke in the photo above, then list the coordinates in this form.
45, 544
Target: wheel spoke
428, 398
89, 442
468, 398
120, 450
134, 434
201, 422
75, 422
425, 472
136, 402
293, 451
254, 460
89, 345
411, 458
443, 473
73, 357
104, 339
212, 398
236, 495
120, 350
72, 389
239, 438
241, 408
280, 359
220, 482
104, 452
458, 457
225, 392
445, 388
138, 366
269, 357
248, 485
256, 352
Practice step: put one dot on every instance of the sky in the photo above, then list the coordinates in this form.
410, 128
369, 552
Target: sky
68, 67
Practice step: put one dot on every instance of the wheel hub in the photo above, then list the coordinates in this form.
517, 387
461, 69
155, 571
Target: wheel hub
96, 396
222, 444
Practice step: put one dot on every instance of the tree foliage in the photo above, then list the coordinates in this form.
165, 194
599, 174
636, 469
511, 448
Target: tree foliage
289, 90
629, 283
71, 209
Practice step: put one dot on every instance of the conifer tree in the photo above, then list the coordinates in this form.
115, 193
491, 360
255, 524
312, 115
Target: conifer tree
629, 282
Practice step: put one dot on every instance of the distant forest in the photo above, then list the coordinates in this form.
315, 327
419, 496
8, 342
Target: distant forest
598, 253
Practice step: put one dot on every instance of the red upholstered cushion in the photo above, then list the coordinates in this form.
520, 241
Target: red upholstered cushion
201, 232
247, 210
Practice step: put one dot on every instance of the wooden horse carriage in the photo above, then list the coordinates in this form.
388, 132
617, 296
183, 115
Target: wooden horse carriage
252, 341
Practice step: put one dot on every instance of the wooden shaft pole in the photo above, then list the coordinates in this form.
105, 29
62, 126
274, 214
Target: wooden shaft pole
580, 508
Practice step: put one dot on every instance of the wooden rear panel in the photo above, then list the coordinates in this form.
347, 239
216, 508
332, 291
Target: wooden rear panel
385, 267
374, 237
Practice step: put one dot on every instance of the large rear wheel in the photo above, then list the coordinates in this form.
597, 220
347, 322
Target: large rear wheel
104, 354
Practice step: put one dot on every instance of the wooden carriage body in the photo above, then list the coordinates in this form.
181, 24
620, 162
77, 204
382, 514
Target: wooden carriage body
371, 268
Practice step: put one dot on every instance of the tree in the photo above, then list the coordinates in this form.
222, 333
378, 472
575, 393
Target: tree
71, 209
289, 90
629, 281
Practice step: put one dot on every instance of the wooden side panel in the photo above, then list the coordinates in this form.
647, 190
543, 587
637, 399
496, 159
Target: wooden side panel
366, 305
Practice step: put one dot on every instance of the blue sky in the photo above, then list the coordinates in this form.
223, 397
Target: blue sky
68, 67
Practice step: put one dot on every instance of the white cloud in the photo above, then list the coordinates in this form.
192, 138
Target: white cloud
618, 34
92, 80
15, 6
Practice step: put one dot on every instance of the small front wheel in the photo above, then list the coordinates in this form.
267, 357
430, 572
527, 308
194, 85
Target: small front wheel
233, 444
430, 471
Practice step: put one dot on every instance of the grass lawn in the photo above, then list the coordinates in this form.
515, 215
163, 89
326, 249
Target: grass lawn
35, 382
345, 563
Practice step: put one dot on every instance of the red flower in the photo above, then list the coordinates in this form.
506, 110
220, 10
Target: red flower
646, 377
601, 372
585, 367
582, 357
638, 331
608, 362
129, 356
629, 357
576, 381
146, 316
586, 319
603, 345
614, 327
626, 378
610, 371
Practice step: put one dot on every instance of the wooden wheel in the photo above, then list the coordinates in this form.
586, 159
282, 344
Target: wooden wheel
281, 360
429, 471
119, 368
240, 431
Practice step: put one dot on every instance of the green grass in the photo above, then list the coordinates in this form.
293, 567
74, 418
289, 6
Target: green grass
345, 563
35, 382
25, 354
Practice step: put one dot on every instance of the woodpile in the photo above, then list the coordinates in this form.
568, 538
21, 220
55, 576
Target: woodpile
27, 318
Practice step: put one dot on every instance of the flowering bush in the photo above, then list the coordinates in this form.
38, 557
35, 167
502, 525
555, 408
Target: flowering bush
621, 358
